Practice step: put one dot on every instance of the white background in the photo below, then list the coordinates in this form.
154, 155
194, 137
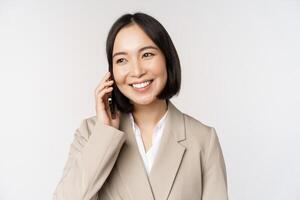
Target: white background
240, 74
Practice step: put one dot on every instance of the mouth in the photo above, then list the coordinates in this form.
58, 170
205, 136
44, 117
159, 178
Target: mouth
142, 86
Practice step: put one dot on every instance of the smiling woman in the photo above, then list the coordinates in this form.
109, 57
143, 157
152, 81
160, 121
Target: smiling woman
138, 65
150, 150
139, 49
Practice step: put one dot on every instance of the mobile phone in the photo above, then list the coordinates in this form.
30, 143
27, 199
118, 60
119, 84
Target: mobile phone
111, 104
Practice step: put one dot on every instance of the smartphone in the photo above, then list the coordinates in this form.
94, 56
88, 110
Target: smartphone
111, 104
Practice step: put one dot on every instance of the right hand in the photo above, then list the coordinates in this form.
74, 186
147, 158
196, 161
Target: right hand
102, 108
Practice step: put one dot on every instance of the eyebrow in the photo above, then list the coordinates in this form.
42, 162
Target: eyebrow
141, 49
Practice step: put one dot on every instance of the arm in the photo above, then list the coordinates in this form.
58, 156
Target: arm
214, 178
92, 155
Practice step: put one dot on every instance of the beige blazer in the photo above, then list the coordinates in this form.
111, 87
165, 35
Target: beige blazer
105, 163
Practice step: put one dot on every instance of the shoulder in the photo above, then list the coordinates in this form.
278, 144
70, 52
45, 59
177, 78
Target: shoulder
196, 126
198, 134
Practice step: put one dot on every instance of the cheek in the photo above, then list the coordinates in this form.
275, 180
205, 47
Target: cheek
120, 74
158, 67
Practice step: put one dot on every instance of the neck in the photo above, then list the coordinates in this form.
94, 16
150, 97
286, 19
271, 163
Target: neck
149, 115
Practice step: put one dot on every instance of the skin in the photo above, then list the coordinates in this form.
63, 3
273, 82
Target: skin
137, 58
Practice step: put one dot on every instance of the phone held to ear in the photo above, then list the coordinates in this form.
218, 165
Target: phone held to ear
111, 104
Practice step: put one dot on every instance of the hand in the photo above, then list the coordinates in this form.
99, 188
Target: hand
102, 108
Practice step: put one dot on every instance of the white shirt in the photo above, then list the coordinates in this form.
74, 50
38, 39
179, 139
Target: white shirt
148, 157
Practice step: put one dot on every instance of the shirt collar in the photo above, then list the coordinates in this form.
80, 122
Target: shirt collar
157, 126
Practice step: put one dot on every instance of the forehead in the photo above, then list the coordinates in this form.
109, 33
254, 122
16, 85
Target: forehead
131, 38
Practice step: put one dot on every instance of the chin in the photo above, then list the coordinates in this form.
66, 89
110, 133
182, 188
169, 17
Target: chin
142, 101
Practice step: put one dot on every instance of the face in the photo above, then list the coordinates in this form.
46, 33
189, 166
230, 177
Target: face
139, 66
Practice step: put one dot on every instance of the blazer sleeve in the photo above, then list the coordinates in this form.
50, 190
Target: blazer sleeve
214, 178
92, 155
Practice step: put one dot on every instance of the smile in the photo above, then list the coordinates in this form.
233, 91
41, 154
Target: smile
141, 86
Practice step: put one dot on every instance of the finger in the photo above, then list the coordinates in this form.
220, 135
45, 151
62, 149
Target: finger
102, 107
104, 79
99, 97
104, 85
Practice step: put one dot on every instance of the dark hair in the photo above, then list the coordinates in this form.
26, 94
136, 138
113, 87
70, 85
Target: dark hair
158, 34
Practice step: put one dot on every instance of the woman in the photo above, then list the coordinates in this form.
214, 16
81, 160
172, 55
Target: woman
151, 150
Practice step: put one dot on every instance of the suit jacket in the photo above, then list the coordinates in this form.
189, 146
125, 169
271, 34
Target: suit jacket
105, 163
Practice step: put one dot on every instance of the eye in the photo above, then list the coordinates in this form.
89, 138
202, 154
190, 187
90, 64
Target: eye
121, 60
148, 54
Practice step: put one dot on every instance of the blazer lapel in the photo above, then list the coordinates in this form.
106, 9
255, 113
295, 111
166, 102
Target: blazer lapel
166, 164
169, 155
131, 166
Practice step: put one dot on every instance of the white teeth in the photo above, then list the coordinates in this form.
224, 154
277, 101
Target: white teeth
141, 85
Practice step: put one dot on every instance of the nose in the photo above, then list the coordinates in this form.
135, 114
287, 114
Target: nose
137, 69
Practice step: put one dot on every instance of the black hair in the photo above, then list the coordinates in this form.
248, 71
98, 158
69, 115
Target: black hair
158, 34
